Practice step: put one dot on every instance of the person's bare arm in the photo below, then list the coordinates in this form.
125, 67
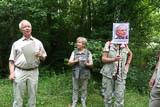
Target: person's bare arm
129, 60
88, 64
105, 58
152, 80
74, 61
11, 69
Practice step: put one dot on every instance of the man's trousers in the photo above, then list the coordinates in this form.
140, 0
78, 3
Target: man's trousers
25, 80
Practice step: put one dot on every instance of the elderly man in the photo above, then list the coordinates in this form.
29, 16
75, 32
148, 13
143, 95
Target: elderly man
24, 74
121, 32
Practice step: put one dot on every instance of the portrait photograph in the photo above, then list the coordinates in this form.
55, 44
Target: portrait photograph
120, 33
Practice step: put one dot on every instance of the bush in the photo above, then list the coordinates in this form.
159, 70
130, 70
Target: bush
96, 48
141, 70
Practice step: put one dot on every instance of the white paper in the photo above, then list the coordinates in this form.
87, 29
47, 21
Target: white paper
29, 51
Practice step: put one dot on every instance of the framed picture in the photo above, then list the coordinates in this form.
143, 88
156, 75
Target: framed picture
120, 33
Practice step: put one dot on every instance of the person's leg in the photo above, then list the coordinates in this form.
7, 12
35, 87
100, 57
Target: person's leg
108, 87
155, 97
75, 91
19, 86
32, 84
84, 92
119, 92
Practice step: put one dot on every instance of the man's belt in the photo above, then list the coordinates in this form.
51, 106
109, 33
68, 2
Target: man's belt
27, 69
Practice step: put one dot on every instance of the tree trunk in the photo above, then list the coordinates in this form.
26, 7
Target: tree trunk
1, 64
83, 17
89, 17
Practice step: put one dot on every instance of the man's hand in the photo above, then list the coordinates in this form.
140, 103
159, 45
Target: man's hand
39, 54
11, 69
151, 82
11, 76
85, 63
118, 58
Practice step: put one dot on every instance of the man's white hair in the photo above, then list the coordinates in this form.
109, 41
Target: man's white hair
20, 24
121, 25
82, 39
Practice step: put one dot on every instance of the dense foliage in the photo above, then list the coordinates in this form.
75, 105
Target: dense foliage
58, 22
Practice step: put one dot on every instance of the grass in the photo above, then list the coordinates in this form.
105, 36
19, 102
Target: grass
56, 91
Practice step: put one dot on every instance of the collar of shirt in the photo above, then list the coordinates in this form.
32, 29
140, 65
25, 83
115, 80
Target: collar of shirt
24, 38
82, 51
117, 47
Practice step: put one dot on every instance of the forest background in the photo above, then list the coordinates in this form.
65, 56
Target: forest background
57, 23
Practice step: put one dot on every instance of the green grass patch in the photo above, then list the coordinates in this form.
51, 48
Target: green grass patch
56, 91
